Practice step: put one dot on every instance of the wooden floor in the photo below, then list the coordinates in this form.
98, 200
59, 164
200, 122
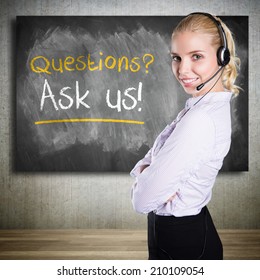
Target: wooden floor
107, 244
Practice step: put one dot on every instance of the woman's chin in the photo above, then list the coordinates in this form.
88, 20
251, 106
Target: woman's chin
190, 91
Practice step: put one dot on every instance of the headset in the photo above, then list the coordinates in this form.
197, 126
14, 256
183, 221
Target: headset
223, 53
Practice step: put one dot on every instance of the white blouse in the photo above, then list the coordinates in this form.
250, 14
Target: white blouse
185, 159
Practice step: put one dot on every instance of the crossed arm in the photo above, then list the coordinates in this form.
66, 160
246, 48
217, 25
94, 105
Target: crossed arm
160, 177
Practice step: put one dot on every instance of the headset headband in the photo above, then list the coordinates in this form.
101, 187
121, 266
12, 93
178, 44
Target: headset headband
223, 54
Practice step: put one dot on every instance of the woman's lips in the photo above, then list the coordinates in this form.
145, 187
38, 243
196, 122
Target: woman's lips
187, 82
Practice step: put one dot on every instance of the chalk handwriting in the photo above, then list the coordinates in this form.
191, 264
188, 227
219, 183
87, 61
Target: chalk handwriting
127, 99
63, 104
41, 64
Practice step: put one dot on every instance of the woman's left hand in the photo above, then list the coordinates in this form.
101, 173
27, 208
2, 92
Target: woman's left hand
171, 198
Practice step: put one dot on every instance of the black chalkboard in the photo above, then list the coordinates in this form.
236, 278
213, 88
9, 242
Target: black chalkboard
93, 92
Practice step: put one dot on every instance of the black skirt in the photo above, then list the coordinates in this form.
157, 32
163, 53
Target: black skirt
183, 238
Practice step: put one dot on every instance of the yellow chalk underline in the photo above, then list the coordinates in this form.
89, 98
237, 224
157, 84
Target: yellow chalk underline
89, 120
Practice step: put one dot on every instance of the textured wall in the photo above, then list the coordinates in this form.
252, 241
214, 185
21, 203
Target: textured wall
81, 200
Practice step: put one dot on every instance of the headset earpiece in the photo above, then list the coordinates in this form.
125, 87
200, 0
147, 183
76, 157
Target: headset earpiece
223, 56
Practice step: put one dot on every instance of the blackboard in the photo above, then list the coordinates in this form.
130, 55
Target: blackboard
93, 92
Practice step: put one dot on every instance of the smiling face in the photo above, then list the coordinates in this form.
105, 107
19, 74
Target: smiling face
194, 61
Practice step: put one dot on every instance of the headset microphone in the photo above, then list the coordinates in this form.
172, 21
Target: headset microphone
199, 87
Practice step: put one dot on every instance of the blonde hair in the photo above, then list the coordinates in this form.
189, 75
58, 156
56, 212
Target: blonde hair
203, 24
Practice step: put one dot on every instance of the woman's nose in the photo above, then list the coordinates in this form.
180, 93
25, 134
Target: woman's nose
184, 67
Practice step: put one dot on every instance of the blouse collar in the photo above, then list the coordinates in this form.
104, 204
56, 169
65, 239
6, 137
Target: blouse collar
208, 97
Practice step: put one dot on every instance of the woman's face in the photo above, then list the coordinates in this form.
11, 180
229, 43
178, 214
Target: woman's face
194, 61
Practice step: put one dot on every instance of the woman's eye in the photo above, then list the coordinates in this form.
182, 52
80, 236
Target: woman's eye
196, 56
176, 58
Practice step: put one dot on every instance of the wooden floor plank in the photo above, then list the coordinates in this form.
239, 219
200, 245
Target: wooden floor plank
96, 244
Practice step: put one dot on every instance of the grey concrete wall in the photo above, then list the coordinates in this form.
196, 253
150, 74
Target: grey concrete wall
81, 200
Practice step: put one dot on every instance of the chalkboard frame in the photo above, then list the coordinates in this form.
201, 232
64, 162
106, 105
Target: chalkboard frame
91, 157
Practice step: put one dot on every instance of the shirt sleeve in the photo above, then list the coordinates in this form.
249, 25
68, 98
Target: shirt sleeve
190, 144
149, 156
145, 161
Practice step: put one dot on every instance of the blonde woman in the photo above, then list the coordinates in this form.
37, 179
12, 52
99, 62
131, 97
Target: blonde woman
174, 181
